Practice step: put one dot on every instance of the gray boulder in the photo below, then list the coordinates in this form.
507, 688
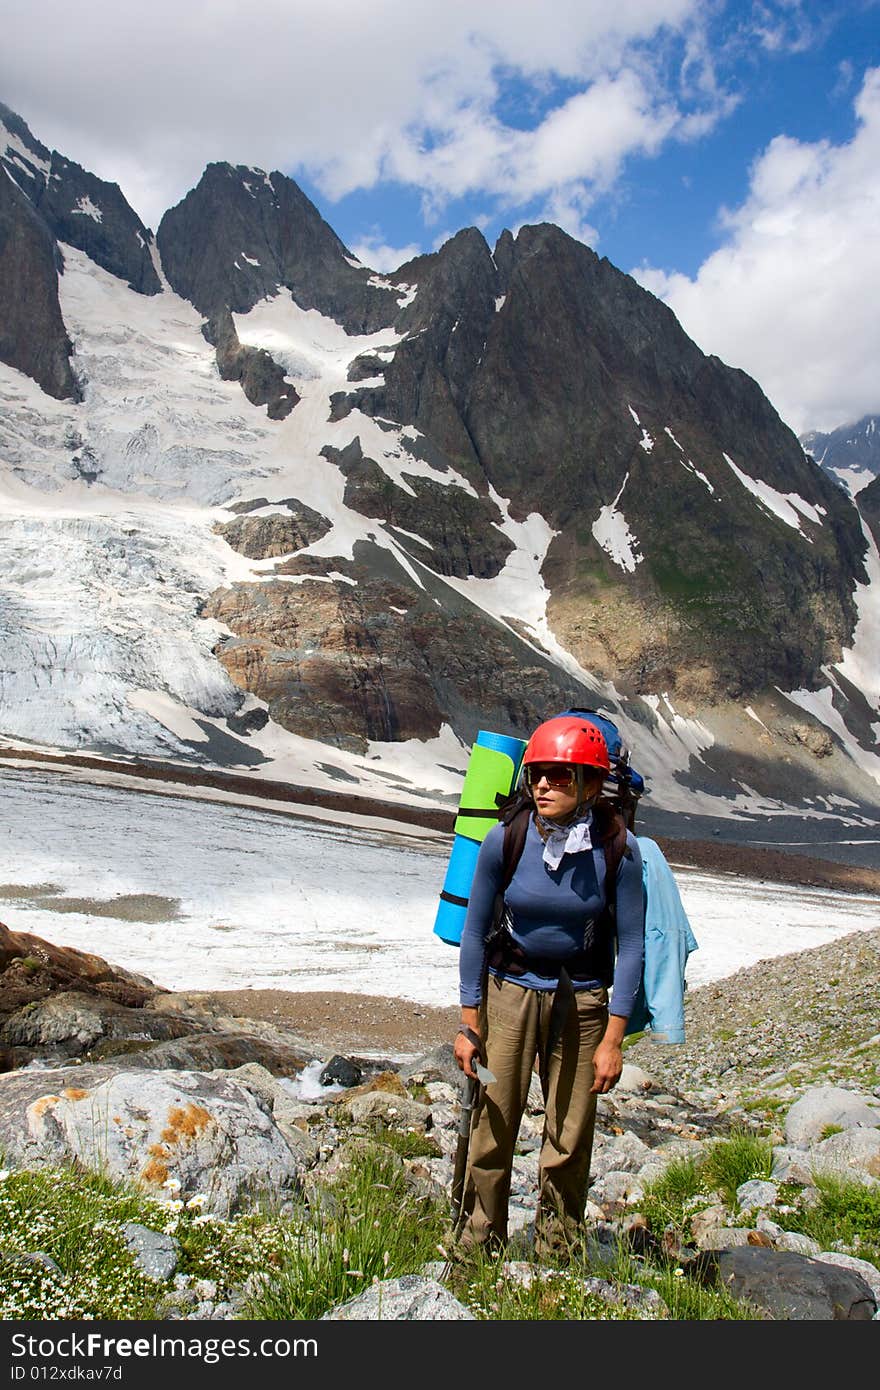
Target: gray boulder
399, 1112
755, 1194
155, 1253
853, 1154
411, 1298
827, 1105
202, 1134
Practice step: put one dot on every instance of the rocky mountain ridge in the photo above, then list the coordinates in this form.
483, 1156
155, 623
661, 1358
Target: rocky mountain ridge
493, 484
851, 453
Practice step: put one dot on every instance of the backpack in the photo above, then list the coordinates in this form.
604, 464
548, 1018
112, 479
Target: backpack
492, 776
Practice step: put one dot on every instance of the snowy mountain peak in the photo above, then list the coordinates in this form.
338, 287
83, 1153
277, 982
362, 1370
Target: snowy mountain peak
851, 453
271, 510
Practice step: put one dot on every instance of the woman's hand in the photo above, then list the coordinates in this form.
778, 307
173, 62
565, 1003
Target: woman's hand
608, 1057
466, 1048
464, 1053
607, 1066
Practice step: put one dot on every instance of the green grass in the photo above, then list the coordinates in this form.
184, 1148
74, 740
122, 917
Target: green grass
828, 1130
368, 1223
735, 1160
846, 1215
664, 1201
375, 1227
727, 1163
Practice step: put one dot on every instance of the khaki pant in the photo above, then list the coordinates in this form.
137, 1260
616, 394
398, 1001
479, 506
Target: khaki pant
514, 1024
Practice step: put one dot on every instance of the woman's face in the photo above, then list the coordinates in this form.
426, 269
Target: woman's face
554, 788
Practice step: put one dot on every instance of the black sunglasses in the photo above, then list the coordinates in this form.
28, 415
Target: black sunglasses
557, 775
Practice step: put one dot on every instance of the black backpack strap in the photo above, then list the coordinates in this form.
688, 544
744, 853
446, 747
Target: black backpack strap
614, 846
514, 813
516, 824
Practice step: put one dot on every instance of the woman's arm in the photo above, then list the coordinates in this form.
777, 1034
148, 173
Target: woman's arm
630, 922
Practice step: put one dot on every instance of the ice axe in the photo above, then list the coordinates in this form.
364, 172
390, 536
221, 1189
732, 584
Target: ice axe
469, 1093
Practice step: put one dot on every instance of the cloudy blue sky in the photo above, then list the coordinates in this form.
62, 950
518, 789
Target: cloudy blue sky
725, 152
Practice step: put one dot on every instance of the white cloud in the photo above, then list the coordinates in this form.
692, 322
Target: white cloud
791, 295
351, 94
378, 255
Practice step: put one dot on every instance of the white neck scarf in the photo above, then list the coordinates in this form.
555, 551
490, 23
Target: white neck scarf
564, 839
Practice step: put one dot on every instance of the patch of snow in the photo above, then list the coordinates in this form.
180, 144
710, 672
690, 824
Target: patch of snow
852, 479
784, 506
171, 714
378, 282
250, 259
673, 438
87, 208
751, 713
646, 442
413, 535
634, 415
686, 463
499, 302
612, 533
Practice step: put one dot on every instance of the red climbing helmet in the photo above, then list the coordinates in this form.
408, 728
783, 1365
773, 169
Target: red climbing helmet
568, 739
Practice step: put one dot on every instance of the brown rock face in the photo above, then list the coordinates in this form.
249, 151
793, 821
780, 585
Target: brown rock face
371, 657
261, 537
31, 968
331, 659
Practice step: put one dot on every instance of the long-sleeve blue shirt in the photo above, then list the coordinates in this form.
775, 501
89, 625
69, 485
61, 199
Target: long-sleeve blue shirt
548, 910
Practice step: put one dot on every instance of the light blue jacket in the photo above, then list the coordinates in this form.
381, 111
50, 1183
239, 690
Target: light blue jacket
659, 1006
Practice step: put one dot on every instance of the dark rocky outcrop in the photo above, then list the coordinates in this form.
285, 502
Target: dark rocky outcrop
33, 338
80, 209
262, 379
789, 1286
261, 537
242, 234
459, 530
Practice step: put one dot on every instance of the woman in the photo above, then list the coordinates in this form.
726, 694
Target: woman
555, 947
